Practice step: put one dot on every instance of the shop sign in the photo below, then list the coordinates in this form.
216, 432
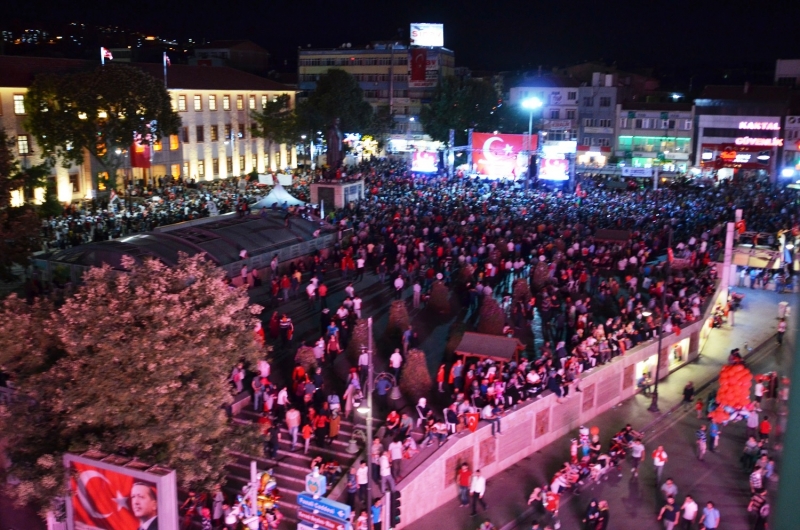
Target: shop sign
760, 125
761, 142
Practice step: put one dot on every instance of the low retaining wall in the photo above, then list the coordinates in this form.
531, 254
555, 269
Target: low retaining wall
539, 423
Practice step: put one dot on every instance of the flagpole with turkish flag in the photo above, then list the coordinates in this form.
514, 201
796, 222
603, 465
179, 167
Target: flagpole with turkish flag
166, 63
105, 53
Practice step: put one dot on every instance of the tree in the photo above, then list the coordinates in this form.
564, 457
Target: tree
381, 125
398, 323
134, 363
338, 95
20, 229
415, 379
99, 111
492, 318
277, 122
359, 340
460, 105
440, 298
520, 291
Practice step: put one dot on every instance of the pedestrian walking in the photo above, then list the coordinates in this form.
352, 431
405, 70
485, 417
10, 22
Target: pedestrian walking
713, 436
669, 489
386, 473
752, 423
698, 407
710, 518
464, 480
781, 330
701, 442
688, 395
669, 514
764, 429
689, 509
592, 515
637, 455
603, 518
477, 488
395, 362
659, 461
362, 477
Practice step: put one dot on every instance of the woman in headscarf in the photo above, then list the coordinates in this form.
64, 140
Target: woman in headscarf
591, 516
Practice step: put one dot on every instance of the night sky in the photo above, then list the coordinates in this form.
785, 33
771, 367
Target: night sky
486, 35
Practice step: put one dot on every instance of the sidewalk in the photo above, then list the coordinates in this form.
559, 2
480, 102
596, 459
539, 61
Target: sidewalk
507, 492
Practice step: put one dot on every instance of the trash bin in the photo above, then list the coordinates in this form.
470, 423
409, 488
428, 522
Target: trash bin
782, 306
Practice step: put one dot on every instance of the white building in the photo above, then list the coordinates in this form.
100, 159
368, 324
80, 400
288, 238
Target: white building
558, 115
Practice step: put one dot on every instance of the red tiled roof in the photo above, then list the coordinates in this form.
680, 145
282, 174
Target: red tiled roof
19, 72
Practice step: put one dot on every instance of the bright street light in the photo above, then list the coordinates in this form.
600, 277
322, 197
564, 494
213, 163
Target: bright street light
531, 103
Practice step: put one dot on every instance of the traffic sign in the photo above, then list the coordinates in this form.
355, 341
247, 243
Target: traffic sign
323, 506
320, 521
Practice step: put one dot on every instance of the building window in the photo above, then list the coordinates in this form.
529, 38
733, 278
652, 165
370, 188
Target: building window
605, 123
588, 101
687, 125
185, 134
264, 100
587, 122
251, 101
182, 103
214, 133
186, 169
587, 141
198, 102
23, 147
241, 130
603, 142
241, 163
605, 101
646, 123
227, 131
157, 145
75, 182
229, 165
240, 102
173, 142
19, 104
571, 114
212, 102
638, 123
175, 170
555, 114
572, 96
215, 166
226, 103
623, 123
201, 168
199, 133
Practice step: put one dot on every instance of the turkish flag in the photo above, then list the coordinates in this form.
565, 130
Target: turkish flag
472, 420
419, 59
101, 499
500, 155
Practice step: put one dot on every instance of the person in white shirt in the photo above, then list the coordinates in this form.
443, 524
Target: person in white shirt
396, 454
386, 472
362, 476
417, 294
350, 290
398, 287
357, 302
689, 509
477, 488
395, 361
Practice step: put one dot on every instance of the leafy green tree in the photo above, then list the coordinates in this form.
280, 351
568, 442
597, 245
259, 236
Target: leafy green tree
51, 205
277, 122
134, 363
98, 111
460, 105
338, 95
381, 125
20, 232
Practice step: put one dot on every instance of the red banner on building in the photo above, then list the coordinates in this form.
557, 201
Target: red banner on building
419, 61
140, 154
105, 500
501, 155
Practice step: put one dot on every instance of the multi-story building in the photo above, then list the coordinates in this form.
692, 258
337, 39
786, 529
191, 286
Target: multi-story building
382, 71
558, 116
214, 141
597, 109
791, 145
658, 133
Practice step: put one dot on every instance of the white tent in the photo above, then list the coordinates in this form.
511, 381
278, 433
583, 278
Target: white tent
266, 178
278, 196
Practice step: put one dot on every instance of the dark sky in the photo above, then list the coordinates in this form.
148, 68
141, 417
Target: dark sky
489, 34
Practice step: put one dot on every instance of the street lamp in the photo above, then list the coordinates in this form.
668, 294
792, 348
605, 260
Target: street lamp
367, 411
531, 104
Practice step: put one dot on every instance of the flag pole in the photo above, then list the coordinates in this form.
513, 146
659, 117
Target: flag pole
102, 56
165, 69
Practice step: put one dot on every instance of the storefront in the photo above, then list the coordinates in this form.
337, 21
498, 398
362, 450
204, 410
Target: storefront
593, 156
746, 146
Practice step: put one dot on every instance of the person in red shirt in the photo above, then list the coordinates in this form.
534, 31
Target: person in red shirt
464, 478
765, 428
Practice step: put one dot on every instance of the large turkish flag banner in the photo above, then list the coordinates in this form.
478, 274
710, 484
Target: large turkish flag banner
101, 499
419, 61
501, 155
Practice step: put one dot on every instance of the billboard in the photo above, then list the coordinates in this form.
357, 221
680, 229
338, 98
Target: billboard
425, 161
501, 155
554, 169
427, 34
106, 496
730, 155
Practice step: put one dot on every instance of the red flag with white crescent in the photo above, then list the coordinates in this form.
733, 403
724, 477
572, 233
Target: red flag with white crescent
419, 61
101, 499
472, 420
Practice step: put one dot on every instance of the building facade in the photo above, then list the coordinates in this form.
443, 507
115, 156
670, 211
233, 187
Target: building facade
558, 116
215, 105
651, 134
383, 73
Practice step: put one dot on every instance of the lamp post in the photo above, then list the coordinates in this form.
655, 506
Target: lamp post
368, 412
531, 104
654, 400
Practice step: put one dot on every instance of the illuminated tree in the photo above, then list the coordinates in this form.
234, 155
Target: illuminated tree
99, 111
415, 379
134, 363
492, 318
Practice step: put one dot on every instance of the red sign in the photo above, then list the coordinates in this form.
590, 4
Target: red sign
554, 169
140, 153
736, 156
501, 155
107, 500
419, 60
472, 421
319, 520
425, 161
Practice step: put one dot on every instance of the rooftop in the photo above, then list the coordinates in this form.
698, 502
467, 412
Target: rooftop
747, 92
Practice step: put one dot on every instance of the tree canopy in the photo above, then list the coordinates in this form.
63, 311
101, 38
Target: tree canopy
338, 95
460, 105
277, 122
134, 363
101, 110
